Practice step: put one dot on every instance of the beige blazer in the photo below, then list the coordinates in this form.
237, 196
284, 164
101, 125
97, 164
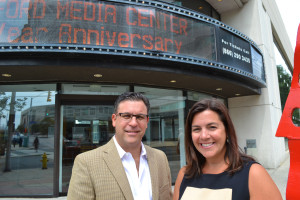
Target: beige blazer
99, 174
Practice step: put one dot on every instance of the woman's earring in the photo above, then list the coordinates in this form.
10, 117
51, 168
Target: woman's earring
227, 140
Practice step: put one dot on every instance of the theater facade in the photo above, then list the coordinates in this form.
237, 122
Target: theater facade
63, 63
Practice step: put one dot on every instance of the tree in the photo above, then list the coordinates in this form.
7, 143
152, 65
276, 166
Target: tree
12, 107
296, 117
284, 79
11, 123
45, 124
18, 104
21, 128
3, 104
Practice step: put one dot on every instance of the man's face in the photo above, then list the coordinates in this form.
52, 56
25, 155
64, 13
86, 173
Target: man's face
129, 132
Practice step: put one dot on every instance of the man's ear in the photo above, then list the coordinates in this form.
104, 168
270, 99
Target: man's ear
113, 119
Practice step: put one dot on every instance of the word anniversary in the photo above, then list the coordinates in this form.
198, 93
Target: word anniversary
91, 23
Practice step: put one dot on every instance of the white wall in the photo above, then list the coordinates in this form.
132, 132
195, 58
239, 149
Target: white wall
257, 116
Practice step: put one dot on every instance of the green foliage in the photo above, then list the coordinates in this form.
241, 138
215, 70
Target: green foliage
45, 124
296, 117
35, 128
21, 128
5, 104
284, 79
42, 127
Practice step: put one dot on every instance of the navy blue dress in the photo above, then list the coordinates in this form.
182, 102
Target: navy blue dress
238, 182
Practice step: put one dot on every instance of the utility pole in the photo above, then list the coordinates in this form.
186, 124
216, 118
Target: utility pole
11, 129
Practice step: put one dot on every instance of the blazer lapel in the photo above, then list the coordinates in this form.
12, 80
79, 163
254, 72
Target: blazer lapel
115, 165
153, 172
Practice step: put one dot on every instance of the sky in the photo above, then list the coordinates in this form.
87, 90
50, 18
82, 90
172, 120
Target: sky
289, 10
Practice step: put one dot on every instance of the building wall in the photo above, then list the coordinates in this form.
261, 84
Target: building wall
257, 116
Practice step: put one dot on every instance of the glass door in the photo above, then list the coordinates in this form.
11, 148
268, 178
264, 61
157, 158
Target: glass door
83, 128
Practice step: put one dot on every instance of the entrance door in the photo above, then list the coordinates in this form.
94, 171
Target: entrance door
83, 128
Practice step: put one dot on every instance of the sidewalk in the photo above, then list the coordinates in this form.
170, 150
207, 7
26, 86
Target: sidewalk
279, 175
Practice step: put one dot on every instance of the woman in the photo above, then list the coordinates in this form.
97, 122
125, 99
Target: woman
216, 168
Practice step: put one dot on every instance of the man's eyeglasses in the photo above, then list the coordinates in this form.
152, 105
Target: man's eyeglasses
128, 116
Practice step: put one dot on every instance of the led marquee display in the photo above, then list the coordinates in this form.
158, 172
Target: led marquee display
121, 25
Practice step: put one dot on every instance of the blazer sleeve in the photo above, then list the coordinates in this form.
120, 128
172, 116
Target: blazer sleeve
81, 186
166, 189
160, 174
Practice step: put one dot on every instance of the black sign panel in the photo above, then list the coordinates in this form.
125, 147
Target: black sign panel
234, 51
257, 64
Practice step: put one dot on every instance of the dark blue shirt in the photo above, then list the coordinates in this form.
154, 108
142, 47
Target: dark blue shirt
238, 182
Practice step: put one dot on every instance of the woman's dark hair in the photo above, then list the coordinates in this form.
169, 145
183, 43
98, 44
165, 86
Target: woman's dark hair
195, 160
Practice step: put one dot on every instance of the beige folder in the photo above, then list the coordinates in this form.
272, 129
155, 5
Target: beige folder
192, 193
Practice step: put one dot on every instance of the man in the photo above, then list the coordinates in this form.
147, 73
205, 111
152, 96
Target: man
124, 168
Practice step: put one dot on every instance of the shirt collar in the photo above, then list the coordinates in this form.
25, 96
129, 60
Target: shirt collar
122, 152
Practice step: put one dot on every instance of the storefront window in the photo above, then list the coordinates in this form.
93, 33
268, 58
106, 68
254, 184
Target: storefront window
166, 124
94, 89
27, 131
26, 139
197, 96
82, 132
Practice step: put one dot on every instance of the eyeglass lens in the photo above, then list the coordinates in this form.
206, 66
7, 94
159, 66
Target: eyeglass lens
128, 116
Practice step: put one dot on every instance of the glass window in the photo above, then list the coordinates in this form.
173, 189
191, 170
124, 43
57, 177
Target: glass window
166, 124
196, 96
92, 111
94, 89
26, 139
80, 134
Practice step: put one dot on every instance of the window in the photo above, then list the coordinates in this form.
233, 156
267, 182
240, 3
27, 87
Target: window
166, 124
32, 116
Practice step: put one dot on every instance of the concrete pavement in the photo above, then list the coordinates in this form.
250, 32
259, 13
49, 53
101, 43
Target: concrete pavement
279, 175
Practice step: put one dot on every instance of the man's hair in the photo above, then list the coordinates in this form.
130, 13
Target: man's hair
132, 96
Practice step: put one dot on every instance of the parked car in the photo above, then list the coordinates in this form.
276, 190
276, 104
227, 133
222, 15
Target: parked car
71, 148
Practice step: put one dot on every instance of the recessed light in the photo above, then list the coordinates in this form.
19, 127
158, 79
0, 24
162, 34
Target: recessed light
173, 81
220, 0
219, 89
237, 94
6, 75
200, 7
98, 75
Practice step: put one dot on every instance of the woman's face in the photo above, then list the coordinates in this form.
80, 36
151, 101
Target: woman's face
209, 135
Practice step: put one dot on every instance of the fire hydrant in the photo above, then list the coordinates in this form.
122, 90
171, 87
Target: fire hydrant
44, 161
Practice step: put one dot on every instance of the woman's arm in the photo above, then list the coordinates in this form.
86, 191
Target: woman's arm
261, 185
178, 183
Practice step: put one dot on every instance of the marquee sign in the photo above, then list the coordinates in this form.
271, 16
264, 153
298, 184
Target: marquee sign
120, 25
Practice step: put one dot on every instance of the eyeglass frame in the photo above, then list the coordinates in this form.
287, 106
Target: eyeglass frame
132, 115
